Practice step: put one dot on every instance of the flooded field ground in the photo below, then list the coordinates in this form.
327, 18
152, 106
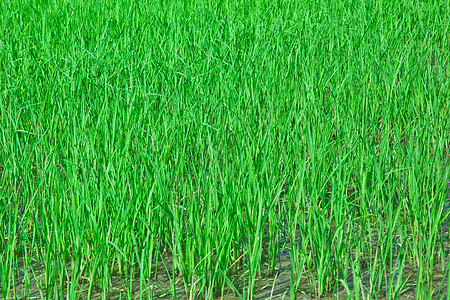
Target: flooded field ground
269, 284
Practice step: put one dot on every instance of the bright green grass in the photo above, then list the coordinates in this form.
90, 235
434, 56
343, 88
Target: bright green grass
219, 133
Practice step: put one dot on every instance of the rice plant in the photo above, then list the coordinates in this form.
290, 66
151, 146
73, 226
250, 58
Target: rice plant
207, 149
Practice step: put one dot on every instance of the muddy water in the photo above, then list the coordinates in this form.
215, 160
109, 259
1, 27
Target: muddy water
275, 286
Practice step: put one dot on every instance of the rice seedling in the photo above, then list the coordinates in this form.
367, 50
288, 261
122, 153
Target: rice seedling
208, 149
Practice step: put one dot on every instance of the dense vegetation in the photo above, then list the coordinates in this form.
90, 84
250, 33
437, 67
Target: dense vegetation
215, 138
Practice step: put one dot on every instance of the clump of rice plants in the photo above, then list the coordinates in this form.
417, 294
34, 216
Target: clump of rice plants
207, 149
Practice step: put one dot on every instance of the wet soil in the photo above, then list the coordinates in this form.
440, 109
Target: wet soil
274, 286
267, 286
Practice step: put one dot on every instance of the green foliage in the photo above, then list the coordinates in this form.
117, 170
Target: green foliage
211, 136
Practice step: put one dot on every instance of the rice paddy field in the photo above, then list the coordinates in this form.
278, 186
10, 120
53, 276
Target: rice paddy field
224, 149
